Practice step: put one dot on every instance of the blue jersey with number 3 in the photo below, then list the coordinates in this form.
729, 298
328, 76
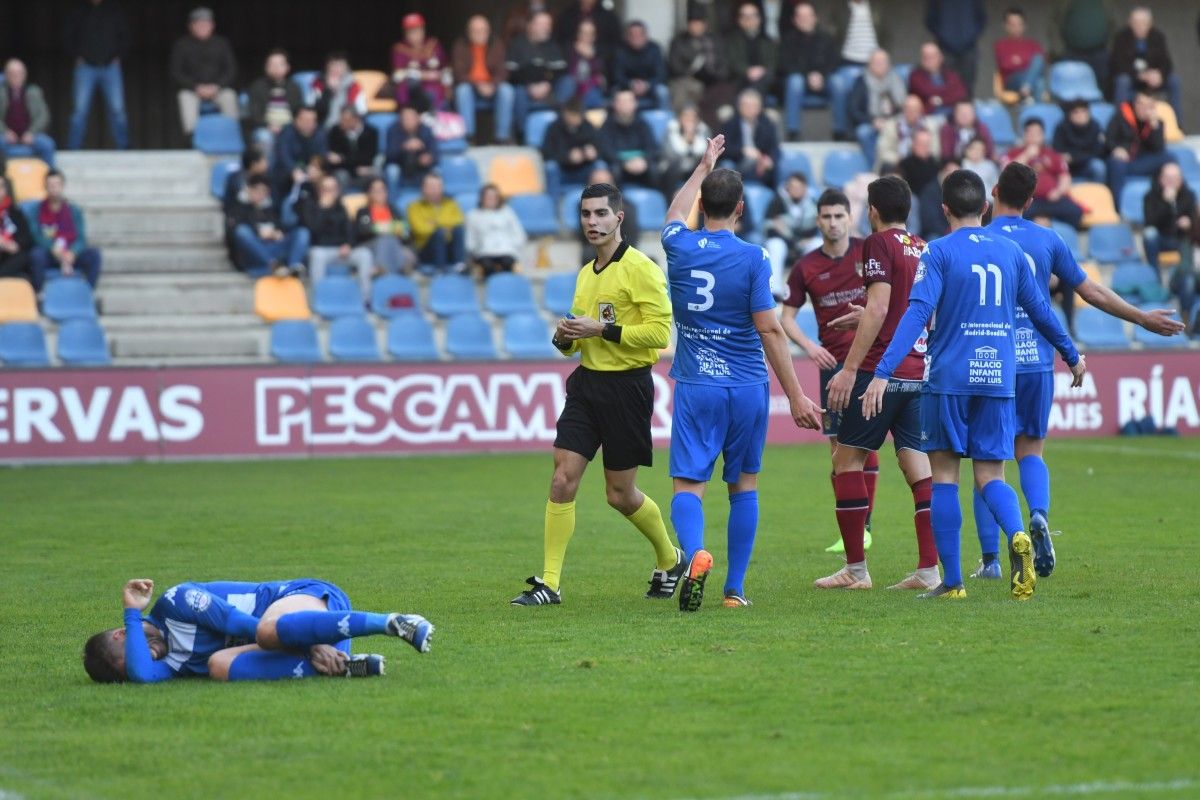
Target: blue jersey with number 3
718, 282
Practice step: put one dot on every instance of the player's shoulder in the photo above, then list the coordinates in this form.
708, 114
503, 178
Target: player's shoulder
183, 597
636, 262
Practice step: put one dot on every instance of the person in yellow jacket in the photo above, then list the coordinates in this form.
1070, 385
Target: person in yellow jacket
436, 222
620, 318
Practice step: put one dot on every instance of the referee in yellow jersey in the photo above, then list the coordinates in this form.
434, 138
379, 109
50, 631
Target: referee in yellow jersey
620, 319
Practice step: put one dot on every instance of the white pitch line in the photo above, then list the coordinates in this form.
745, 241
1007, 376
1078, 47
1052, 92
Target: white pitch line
1069, 789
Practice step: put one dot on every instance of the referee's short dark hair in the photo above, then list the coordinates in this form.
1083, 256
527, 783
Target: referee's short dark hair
1016, 184
963, 194
833, 197
891, 198
720, 193
606, 190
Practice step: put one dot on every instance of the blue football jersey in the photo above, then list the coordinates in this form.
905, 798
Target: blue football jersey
1047, 254
717, 282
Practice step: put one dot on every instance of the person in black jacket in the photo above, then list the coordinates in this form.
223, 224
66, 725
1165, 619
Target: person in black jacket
294, 148
203, 68
807, 56
751, 141
97, 39
260, 244
608, 26
536, 68
272, 100
332, 236
411, 151
1140, 60
353, 146
1169, 211
380, 227
1135, 141
640, 67
628, 144
572, 143
1080, 141
16, 240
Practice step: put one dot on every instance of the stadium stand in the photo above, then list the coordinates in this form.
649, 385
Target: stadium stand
278, 299
410, 338
450, 295
461, 176
392, 295
23, 344
370, 82
516, 172
841, 166
28, 177
1096, 330
336, 296
526, 336
1074, 80
558, 292
651, 206
1097, 203
221, 171
1137, 282
1112, 244
508, 293
295, 342
469, 337
81, 342
218, 135
536, 213
1153, 340
17, 301
353, 339
536, 125
1050, 114
1131, 205
68, 298
995, 116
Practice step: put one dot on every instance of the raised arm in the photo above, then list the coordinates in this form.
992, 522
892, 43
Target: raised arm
685, 198
140, 666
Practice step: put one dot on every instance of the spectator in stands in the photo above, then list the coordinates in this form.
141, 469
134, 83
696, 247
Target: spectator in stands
607, 24
572, 143
494, 234
1140, 60
60, 237
639, 66
16, 241
683, 146
791, 228
294, 148
1080, 141
586, 71
481, 78
97, 39
203, 68
380, 228
24, 115
420, 71
963, 126
938, 86
877, 96
751, 140
630, 232
753, 56
975, 158
411, 150
436, 222
933, 223
956, 26
1135, 139
1169, 210
1051, 196
808, 55
896, 135
331, 235
254, 162
1080, 30
334, 89
861, 29
1020, 59
697, 65
260, 242
627, 144
353, 146
920, 167
537, 68
272, 99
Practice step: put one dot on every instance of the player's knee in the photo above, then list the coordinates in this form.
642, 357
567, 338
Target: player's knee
563, 487
266, 635
218, 666
622, 499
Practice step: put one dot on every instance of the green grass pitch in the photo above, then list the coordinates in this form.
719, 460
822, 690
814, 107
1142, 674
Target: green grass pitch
1091, 688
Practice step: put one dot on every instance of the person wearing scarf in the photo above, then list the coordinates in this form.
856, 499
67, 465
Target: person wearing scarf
59, 238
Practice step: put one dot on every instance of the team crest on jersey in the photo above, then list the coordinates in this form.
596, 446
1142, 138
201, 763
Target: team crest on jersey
920, 276
197, 600
607, 314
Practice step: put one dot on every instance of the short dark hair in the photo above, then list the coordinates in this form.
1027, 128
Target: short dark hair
1016, 184
798, 176
252, 155
720, 193
1033, 121
573, 105
257, 180
891, 198
635, 23
833, 197
1075, 105
302, 109
336, 55
963, 194
606, 190
97, 660
55, 173
1014, 11
276, 51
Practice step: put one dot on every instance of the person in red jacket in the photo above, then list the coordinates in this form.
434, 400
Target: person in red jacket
420, 71
962, 127
938, 86
1051, 197
1020, 59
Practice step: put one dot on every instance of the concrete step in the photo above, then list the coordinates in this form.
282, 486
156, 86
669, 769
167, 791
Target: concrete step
174, 255
183, 217
131, 161
172, 346
181, 323
93, 192
199, 280
172, 300
189, 361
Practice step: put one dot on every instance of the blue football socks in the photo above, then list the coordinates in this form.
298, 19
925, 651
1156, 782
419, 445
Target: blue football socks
687, 517
743, 525
987, 528
1035, 483
262, 665
306, 628
1006, 508
945, 517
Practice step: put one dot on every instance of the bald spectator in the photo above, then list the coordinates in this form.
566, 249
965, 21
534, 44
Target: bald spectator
956, 26
24, 115
896, 135
938, 86
1169, 210
1140, 60
1051, 196
481, 76
920, 167
1020, 59
876, 97
808, 55
203, 68
627, 144
961, 128
753, 56
751, 140
639, 66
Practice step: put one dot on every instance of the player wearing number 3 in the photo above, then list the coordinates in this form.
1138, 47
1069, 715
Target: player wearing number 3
725, 319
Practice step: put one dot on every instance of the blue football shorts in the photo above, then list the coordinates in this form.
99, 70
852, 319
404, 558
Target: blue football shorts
970, 425
1035, 398
730, 421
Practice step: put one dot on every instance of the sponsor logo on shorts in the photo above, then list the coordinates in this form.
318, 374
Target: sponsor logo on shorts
197, 600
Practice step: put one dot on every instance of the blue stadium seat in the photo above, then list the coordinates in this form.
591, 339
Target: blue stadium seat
536, 212
218, 134
650, 205
806, 318
294, 341
794, 161
1051, 114
1138, 281
1189, 164
841, 166
467, 201
1112, 244
82, 342
304, 80
994, 115
536, 124
68, 298
337, 296
450, 147
1096, 330
1070, 236
1153, 340
559, 293
410, 338
469, 337
758, 199
657, 119
1074, 80
381, 121
568, 210
22, 344
528, 336
394, 294
353, 339
220, 174
1102, 112
903, 72
452, 294
508, 293
461, 175
1132, 194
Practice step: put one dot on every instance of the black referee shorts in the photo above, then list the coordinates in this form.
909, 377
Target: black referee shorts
901, 416
610, 410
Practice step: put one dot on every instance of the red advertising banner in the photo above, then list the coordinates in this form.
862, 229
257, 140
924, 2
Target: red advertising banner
269, 411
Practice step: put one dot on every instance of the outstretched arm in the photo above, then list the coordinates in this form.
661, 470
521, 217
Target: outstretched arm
1161, 320
685, 198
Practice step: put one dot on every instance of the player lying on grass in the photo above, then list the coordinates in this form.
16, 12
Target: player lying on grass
298, 628
726, 322
1048, 256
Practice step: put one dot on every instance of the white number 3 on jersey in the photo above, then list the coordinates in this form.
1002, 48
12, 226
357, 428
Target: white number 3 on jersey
704, 291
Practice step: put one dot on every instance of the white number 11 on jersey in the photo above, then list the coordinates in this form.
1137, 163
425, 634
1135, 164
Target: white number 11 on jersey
992, 269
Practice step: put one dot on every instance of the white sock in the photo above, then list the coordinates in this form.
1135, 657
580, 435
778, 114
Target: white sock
929, 575
859, 570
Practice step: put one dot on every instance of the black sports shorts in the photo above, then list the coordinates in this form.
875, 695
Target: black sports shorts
901, 415
610, 410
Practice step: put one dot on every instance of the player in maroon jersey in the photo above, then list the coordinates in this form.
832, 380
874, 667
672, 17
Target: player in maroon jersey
831, 278
890, 258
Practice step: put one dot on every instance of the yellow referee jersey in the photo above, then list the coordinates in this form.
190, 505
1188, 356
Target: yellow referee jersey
630, 295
